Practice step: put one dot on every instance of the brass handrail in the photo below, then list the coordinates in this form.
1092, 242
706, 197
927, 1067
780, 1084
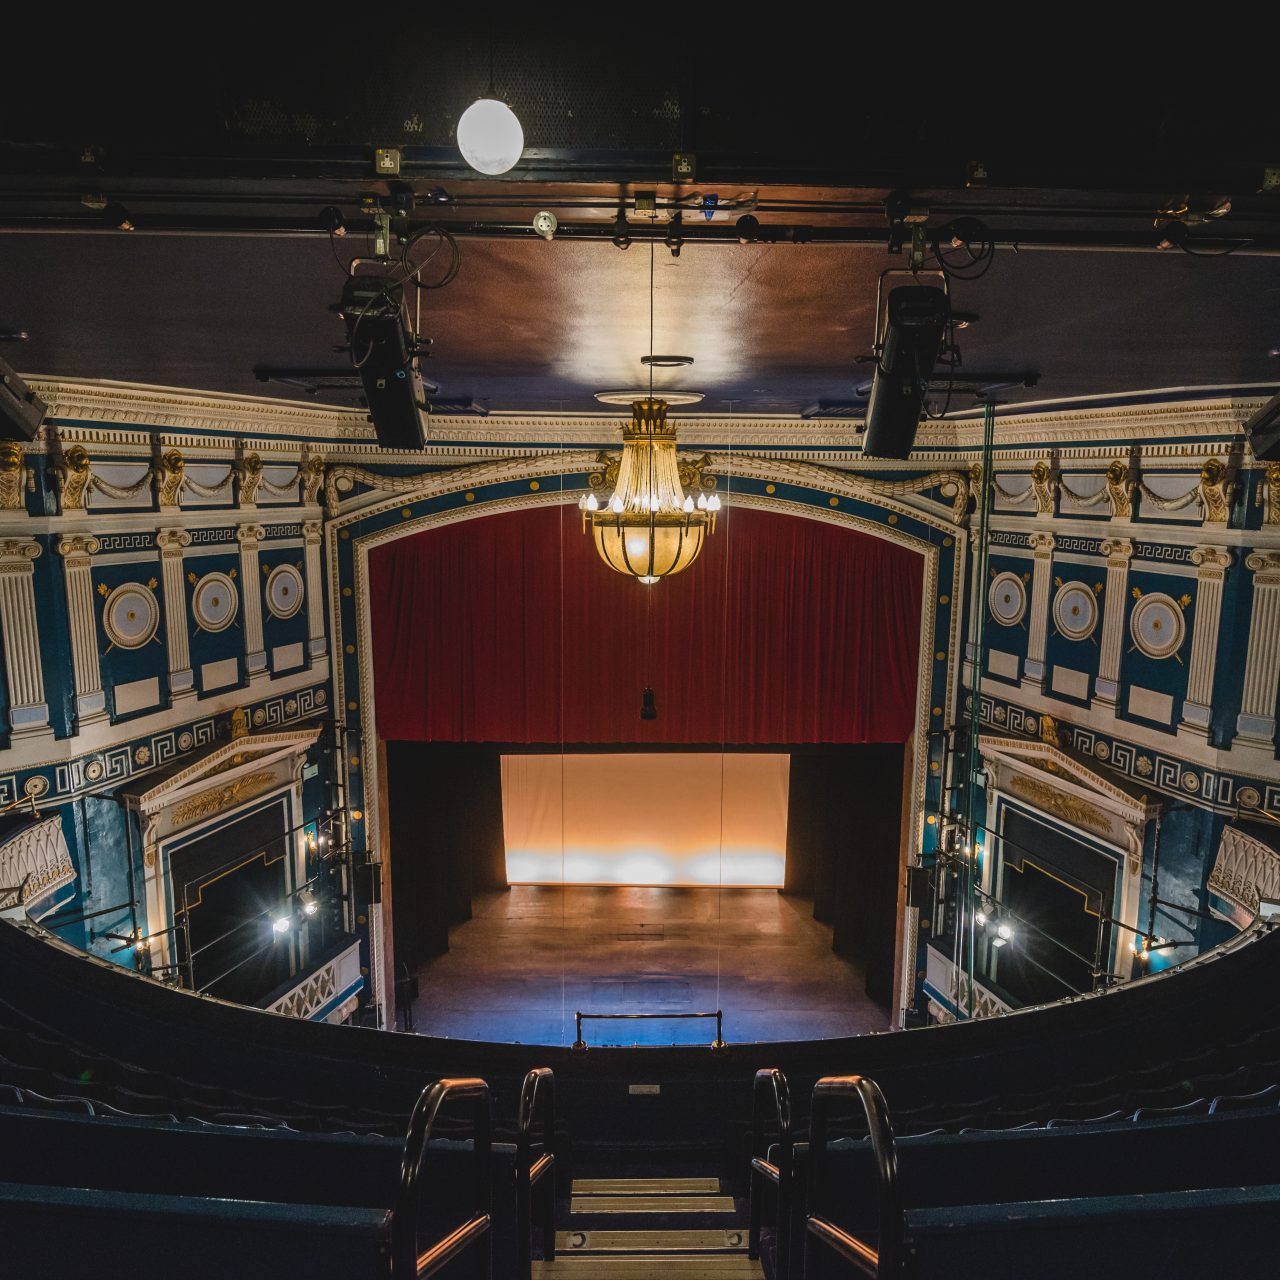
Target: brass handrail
539, 1087
580, 1044
407, 1260
772, 1081
886, 1260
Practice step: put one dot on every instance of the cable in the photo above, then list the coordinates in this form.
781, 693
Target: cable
1222, 253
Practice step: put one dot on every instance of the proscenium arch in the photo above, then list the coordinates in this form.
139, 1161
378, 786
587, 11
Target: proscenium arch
391, 507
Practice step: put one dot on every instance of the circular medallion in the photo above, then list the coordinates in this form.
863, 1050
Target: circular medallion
142, 755
321, 697
1157, 625
284, 591
1031, 725
36, 785
1249, 797
1102, 750
1191, 781
185, 741
1008, 599
93, 770
1075, 611
130, 616
1144, 766
215, 602
260, 716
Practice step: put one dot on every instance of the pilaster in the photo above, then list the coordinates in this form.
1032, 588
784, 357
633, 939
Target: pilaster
91, 702
1256, 725
316, 644
1042, 545
1197, 708
172, 542
28, 710
250, 536
1119, 551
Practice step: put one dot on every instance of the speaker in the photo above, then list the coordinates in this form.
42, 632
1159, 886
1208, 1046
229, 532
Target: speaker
21, 410
373, 310
368, 883
917, 317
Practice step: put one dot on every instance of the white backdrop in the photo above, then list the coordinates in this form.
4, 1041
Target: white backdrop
674, 818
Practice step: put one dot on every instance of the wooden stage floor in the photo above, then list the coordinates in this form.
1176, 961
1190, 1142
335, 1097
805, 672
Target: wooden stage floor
531, 956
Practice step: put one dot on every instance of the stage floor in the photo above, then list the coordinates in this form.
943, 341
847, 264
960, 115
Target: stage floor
531, 956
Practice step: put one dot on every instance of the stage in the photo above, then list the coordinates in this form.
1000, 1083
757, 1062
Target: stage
531, 956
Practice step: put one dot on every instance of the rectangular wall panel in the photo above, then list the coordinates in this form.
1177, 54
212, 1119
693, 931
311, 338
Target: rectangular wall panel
1150, 705
1004, 664
217, 675
137, 695
1075, 684
285, 657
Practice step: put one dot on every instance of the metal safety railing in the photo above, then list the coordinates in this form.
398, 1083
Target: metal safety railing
537, 1101
407, 1258
580, 1044
885, 1259
771, 1083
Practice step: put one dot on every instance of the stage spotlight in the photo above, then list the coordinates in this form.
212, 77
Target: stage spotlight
980, 917
917, 316
490, 136
621, 232
331, 221
675, 240
116, 215
307, 901
748, 229
281, 924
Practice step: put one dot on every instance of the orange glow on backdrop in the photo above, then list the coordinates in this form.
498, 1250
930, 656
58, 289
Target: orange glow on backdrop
661, 818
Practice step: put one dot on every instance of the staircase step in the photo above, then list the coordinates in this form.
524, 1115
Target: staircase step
671, 1204
643, 1186
642, 1267
657, 1241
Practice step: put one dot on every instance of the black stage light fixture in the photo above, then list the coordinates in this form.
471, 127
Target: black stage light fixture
383, 350
331, 220
748, 227
21, 410
648, 707
117, 216
917, 317
1263, 431
621, 232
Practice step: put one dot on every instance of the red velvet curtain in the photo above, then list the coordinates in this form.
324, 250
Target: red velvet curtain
510, 629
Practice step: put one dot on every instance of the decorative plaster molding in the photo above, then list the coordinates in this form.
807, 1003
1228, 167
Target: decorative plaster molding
1246, 871
330, 982
34, 863
16, 478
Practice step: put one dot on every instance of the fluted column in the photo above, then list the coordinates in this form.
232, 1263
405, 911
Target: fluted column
1197, 708
28, 711
316, 644
172, 542
1119, 551
1256, 724
249, 536
91, 701
1042, 545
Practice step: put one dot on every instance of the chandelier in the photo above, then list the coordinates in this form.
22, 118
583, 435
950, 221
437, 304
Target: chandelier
641, 510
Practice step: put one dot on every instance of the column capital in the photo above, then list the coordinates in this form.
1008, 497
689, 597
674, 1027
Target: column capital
247, 533
1207, 559
1041, 543
312, 532
1264, 563
79, 545
17, 553
171, 541
1117, 550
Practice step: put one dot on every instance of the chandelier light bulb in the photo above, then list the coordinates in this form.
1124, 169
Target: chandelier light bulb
616, 505
713, 502
593, 503
702, 502
653, 503
489, 136
688, 504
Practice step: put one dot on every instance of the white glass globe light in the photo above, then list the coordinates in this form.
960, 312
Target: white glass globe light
489, 136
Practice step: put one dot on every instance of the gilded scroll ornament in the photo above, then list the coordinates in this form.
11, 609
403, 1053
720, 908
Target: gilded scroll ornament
170, 476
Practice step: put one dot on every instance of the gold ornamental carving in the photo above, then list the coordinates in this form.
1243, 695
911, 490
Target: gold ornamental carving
1216, 491
1271, 503
1079, 813
74, 476
250, 479
216, 799
1120, 490
170, 475
312, 478
239, 723
1044, 482
16, 478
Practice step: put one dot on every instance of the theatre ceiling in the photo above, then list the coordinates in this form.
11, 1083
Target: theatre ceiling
227, 281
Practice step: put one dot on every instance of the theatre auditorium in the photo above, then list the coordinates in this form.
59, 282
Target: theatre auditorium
629, 658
